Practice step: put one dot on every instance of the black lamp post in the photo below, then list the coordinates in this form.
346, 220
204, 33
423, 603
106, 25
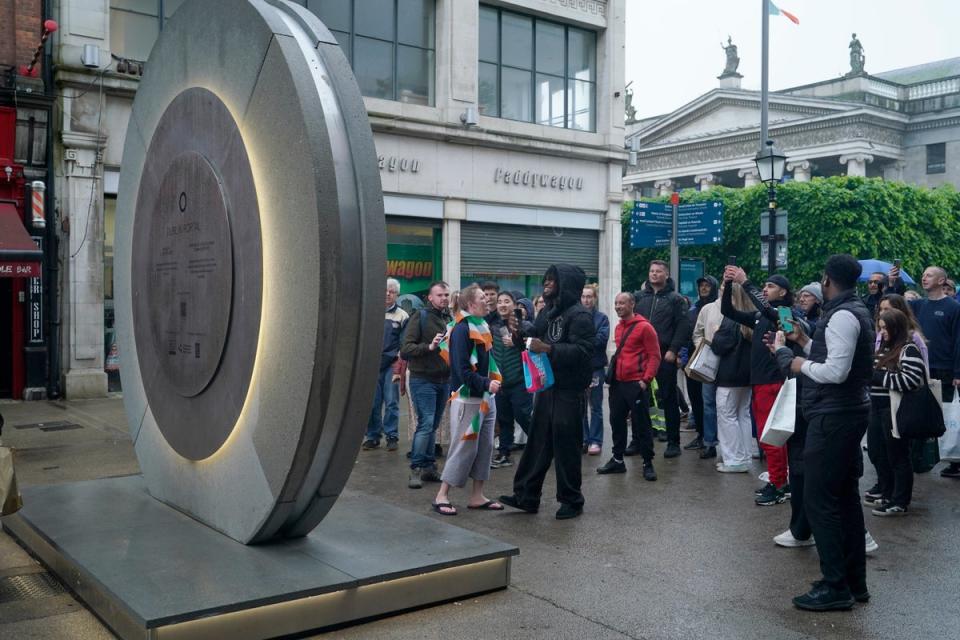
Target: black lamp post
770, 165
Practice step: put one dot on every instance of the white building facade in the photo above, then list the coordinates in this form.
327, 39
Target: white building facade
899, 125
499, 127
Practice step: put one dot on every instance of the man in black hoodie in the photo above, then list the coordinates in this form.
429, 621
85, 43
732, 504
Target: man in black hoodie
707, 289
564, 331
667, 312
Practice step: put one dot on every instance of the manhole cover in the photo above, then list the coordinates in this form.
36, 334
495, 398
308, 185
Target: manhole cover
31, 586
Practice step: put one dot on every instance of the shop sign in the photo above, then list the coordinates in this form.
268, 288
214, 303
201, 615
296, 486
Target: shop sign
412, 265
534, 179
34, 301
19, 269
395, 164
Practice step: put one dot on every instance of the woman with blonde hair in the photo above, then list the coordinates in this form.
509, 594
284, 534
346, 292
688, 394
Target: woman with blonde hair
475, 379
731, 341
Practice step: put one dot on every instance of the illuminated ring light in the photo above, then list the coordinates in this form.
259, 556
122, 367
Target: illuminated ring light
249, 268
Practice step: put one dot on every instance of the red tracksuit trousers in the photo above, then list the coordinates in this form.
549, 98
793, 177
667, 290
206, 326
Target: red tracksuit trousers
764, 396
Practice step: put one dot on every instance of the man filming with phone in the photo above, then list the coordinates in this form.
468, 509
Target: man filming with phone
765, 376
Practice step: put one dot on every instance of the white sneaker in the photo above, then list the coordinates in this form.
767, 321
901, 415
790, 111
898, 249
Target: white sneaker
733, 468
871, 544
786, 539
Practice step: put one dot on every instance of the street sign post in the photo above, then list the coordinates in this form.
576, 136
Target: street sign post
699, 223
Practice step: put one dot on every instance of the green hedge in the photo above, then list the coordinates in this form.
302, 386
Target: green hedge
866, 217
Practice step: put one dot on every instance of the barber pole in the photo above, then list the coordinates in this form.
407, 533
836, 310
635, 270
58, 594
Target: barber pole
39, 219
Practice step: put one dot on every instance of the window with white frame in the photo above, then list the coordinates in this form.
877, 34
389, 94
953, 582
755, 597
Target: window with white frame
390, 44
537, 70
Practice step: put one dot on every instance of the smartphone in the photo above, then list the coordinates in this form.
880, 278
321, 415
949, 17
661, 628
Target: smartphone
786, 319
732, 261
897, 263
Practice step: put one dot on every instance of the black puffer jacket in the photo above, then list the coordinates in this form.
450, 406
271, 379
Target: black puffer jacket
567, 325
734, 351
667, 312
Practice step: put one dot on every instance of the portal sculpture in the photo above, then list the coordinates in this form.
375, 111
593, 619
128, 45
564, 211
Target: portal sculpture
249, 211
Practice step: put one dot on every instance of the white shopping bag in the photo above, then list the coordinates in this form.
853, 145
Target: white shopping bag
783, 416
950, 441
703, 365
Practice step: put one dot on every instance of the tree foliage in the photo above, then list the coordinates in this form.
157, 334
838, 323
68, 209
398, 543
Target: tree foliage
866, 217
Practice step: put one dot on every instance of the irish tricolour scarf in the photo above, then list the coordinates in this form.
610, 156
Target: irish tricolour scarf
482, 339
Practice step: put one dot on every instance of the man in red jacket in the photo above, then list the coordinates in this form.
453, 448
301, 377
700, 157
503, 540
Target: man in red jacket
632, 368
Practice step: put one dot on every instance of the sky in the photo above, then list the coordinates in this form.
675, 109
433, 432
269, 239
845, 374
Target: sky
673, 49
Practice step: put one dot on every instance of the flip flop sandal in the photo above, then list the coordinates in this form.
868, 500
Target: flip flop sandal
440, 506
489, 505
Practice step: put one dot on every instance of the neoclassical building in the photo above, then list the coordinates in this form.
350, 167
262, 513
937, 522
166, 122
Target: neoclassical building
900, 125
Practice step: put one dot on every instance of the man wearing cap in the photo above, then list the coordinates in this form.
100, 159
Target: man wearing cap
809, 301
765, 376
836, 378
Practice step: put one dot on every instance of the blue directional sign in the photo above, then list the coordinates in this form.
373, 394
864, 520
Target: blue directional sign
651, 224
700, 223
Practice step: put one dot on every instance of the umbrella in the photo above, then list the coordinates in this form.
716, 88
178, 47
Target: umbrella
879, 266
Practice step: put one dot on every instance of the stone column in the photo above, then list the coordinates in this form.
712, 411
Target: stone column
856, 163
801, 170
706, 181
664, 187
453, 212
750, 176
81, 201
611, 238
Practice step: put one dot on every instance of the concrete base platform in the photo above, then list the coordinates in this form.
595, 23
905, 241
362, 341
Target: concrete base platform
148, 571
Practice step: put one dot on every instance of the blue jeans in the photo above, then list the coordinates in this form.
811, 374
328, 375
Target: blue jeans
387, 392
593, 429
429, 400
514, 404
710, 415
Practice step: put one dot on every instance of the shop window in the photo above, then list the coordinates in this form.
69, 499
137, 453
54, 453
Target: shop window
111, 351
135, 25
390, 44
937, 158
413, 258
31, 138
536, 70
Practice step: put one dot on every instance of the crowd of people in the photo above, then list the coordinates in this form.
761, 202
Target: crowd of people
462, 361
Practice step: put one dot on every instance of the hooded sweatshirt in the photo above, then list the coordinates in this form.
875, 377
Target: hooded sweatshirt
639, 356
667, 312
567, 326
693, 316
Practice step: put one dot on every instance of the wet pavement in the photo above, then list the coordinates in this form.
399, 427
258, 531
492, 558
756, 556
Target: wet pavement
688, 556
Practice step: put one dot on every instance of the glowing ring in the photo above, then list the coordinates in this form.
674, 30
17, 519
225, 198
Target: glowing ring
279, 74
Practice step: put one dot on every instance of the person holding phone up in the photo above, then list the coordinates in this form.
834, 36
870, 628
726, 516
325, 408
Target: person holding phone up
765, 376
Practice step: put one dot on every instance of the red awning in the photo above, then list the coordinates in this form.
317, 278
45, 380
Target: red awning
20, 257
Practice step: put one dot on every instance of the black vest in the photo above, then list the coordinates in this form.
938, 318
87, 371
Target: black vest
851, 395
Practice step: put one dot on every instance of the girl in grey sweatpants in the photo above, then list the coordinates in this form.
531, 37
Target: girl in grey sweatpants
469, 458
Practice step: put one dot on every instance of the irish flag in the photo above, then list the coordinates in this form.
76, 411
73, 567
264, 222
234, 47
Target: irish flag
777, 11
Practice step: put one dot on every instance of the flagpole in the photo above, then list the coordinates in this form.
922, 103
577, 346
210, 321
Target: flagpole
764, 71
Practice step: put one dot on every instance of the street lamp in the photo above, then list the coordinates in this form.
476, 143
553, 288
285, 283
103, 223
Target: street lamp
770, 165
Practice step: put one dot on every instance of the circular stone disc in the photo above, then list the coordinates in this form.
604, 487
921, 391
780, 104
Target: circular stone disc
189, 263
249, 268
